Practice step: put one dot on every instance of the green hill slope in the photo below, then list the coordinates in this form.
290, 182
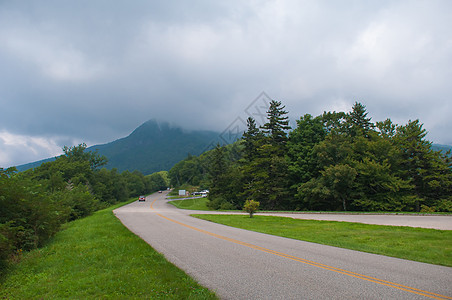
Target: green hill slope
154, 147
443, 148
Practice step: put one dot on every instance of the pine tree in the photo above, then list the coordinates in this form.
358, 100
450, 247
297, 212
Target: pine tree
357, 123
251, 139
277, 124
268, 169
428, 171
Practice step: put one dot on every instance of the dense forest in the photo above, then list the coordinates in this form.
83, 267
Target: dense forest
35, 203
335, 162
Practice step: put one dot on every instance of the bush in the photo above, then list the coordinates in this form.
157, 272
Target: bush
251, 207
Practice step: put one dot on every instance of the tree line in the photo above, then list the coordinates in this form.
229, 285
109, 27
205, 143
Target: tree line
336, 161
35, 203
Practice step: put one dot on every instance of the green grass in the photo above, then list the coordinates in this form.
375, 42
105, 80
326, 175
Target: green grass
180, 197
418, 244
193, 204
97, 257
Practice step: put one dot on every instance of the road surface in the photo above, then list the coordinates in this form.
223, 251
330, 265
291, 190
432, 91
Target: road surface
240, 264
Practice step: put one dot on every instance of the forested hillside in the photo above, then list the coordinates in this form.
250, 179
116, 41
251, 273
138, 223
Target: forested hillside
443, 148
34, 203
335, 161
152, 147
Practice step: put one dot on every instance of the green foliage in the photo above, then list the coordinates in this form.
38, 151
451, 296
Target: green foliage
224, 181
189, 170
335, 161
36, 202
357, 123
28, 217
251, 207
265, 168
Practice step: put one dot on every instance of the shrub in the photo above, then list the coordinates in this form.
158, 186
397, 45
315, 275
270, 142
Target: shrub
251, 207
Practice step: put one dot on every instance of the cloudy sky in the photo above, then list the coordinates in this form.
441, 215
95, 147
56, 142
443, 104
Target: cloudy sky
92, 71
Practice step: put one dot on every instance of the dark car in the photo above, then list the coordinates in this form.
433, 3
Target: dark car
142, 198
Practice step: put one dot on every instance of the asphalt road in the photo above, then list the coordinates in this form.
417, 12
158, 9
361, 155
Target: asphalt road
240, 264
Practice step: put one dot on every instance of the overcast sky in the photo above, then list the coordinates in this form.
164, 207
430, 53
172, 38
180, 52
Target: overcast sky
92, 71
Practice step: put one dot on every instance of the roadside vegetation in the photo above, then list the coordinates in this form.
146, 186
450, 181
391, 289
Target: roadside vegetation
192, 204
35, 203
336, 161
182, 197
97, 258
418, 244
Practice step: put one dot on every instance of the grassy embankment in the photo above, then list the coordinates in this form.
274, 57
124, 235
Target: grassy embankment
181, 197
418, 244
193, 204
97, 257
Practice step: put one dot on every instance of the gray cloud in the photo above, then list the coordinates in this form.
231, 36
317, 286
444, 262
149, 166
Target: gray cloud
94, 70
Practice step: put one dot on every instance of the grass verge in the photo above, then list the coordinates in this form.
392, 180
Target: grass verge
97, 257
418, 244
192, 204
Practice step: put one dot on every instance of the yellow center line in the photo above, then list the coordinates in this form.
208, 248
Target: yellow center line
153, 203
312, 263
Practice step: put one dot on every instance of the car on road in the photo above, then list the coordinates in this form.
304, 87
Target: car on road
160, 192
142, 198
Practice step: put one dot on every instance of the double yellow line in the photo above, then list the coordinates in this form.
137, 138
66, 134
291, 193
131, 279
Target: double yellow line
315, 264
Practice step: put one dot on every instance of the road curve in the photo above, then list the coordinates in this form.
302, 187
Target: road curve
240, 264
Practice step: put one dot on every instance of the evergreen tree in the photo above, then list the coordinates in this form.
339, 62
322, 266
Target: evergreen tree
386, 129
428, 171
251, 138
277, 124
225, 181
217, 169
357, 123
269, 168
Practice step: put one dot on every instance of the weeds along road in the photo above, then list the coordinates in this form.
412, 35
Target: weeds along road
240, 264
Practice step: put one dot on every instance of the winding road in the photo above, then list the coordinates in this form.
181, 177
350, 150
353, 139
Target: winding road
241, 264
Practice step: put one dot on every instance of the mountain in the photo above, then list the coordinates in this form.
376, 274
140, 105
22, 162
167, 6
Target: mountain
443, 148
34, 164
153, 146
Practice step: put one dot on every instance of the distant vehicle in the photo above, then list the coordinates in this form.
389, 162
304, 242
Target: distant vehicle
203, 193
142, 198
160, 192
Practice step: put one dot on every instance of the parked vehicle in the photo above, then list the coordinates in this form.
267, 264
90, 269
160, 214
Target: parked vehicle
203, 193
